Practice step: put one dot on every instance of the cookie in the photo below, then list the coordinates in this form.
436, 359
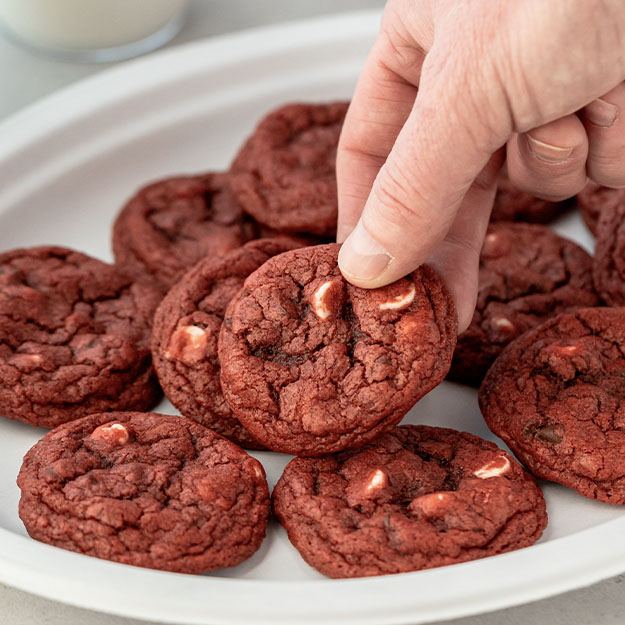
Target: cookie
311, 364
593, 199
186, 329
169, 225
145, 489
74, 337
284, 176
527, 274
512, 204
416, 498
556, 397
609, 259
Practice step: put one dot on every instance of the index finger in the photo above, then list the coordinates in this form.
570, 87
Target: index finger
381, 104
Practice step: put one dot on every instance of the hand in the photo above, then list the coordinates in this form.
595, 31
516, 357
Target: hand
538, 81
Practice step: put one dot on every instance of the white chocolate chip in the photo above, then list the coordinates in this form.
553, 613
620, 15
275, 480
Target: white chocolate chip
26, 360
377, 480
400, 301
431, 504
319, 305
187, 344
111, 433
503, 324
494, 468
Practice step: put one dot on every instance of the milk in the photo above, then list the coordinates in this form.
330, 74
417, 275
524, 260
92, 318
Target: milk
87, 24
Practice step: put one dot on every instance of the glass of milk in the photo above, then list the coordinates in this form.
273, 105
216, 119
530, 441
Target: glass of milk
95, 31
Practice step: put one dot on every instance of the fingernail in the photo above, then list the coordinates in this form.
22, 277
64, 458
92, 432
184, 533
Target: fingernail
601, 113
361, 257
546, 151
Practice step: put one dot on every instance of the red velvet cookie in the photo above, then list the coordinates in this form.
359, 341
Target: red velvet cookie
311, 364
145, 489
556, 397
169, 225
512, 204
416, 498
527, 274
74, 337
609, 263
284, 176
186, 329
594, 199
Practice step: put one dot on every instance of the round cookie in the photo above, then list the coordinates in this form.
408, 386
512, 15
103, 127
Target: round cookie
74, 337
609, 261
169, 225
311, 364
284, 176
556, 397
186, 329
145, 489
527, 274
594, 199
416, 498
512, 204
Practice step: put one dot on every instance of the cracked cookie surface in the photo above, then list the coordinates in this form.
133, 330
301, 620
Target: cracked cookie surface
186, 330
169, 225
527, 274
74, 337
609, 260
145, 489
416, 498
311, 364
556, 396
284, 176
593, 199
512, 204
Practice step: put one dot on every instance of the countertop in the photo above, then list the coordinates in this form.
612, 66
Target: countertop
26, 77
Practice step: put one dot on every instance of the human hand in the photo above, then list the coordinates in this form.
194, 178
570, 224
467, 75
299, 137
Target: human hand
538, 82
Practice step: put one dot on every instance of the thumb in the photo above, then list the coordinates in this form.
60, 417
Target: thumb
437, 156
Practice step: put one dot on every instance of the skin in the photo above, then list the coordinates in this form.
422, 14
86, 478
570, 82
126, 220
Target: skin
536, 84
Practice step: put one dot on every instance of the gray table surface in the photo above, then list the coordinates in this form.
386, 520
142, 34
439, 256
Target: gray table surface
26, 77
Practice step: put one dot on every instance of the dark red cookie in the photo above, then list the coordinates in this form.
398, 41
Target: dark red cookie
74, 337
609, 263
171, 224
284, 176
145, 489
311, 364
186, 329
416, 498
527, 274
511, 204
556, 397
594, 199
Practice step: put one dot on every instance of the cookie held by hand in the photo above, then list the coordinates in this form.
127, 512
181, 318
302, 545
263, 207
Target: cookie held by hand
311, 364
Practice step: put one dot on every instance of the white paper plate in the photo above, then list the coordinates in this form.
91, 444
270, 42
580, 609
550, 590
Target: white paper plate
67, 164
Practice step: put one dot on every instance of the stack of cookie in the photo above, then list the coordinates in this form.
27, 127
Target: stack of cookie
226, 295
